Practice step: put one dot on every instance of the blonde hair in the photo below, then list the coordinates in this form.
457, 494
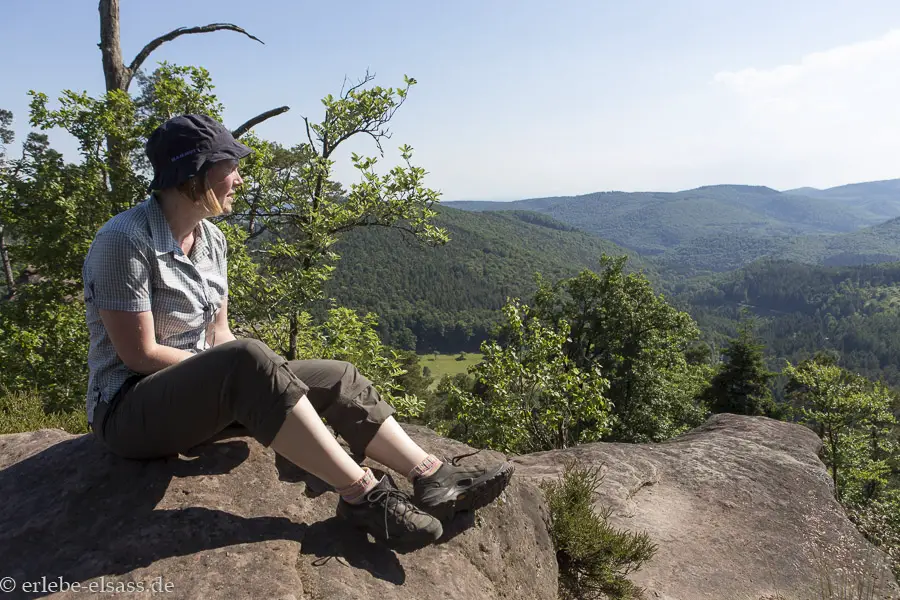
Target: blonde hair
199, 190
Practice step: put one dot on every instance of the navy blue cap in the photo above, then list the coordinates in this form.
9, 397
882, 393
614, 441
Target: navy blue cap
181, 147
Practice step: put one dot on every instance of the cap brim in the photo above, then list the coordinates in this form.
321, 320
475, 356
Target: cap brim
235, 151
182, 172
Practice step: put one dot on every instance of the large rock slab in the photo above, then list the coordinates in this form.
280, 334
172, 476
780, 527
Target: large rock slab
227, 522
741, 508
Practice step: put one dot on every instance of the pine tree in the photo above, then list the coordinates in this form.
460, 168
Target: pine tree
742, 384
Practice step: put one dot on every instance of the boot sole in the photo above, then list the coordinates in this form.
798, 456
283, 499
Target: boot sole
473, 497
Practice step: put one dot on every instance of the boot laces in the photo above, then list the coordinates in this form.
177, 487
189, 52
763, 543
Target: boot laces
386, 495
455, 460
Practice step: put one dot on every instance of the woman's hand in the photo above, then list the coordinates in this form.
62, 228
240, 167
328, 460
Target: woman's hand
221, 332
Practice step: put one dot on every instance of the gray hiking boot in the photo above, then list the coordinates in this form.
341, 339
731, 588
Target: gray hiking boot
389, 515
453, 488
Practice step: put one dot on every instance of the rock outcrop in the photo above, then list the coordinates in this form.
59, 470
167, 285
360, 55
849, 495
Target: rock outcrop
227, 523
740, 508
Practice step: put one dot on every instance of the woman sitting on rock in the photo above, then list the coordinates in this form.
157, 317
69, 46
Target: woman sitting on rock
166, 373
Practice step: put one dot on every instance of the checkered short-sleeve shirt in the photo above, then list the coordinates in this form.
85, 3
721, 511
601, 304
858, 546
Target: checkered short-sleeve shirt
135, 264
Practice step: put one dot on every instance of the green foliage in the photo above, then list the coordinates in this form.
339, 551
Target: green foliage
594, 558
44, 344
854, 419
742, 385
529, 395
416, 380
619, 324
747, 222
23, 411
6, 133
6, 183
173, 90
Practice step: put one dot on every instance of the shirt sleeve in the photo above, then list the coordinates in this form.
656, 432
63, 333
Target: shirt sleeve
117, 273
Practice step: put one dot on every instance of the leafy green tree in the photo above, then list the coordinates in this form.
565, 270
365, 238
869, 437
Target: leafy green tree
618, 324
742, 385
854, 419
301, 213
528, 395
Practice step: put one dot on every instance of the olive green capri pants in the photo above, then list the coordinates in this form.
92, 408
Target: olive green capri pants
243, 381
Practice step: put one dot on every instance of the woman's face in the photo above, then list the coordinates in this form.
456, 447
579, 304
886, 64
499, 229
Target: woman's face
224, 180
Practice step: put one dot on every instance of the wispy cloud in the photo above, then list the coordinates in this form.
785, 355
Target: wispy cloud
856, 61
834, 114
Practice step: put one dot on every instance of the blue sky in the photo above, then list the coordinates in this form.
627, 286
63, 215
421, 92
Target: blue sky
527, 99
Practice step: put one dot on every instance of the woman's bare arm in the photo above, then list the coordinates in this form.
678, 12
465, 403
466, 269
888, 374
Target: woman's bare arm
134, 338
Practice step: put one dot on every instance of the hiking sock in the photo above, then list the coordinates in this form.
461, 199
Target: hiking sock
355, 493
429, 466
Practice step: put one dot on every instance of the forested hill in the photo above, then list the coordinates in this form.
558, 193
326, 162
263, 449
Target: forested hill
723, 227
879, 198
448, 298
879, 243
854, 311
720, 252
651, 222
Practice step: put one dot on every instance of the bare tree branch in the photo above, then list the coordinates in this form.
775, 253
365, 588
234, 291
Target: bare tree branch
145, 52
259, 119
366, 79
309, 135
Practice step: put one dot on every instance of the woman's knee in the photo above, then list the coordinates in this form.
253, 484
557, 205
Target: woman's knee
251, 352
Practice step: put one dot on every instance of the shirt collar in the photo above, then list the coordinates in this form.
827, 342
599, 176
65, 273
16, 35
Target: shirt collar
163, 240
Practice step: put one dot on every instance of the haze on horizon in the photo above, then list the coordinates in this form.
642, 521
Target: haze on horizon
529, 99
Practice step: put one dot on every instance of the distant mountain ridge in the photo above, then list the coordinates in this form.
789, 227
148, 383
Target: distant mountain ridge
878, 197
722, 227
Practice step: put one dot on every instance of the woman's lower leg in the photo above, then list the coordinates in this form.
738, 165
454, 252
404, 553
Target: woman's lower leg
393, 448
305, 441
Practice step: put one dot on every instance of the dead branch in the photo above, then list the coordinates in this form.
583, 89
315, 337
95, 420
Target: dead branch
145, 52
259, 119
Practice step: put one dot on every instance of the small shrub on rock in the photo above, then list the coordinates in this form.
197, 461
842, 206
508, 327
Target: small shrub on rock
594, 558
